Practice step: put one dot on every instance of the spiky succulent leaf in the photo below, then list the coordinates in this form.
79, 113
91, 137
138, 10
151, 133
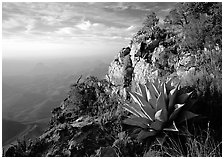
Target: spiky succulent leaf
161, 103
144, 134
131, 110
134, 97
143, 91
157, 125
174, 114
171, 127
172, 98
161, 115
136, 131
143, 101
146, 107
153, 101
182, 98
169, 87
134, 109
148, 94
158, 115
156, 82
165, 93
153, 89
185, 115
136, 121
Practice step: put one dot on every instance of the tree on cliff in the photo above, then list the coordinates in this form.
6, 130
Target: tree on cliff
200, 23
151, 20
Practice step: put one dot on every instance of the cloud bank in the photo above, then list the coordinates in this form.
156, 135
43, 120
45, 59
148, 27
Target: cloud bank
74, 24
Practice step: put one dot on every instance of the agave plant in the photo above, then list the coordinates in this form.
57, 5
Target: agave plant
157, 108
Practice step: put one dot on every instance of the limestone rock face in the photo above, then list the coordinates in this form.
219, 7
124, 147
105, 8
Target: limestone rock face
187, 60
162, 64
144, 71
134, 49
115, 73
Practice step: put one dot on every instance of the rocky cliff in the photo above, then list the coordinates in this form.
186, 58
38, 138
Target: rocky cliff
142, 61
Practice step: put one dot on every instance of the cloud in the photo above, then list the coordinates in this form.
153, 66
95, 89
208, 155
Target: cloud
10, 23
116, 6
84, 25
29, 27
65, 31
165, 10
49, 20
72, 27
130, 28
88, 21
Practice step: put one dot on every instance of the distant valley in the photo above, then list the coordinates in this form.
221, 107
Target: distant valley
28, 98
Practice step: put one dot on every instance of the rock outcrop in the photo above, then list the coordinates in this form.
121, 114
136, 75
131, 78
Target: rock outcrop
150, 59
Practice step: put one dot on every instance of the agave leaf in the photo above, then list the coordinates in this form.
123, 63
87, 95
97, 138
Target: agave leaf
139, 122
153, 90
148, 95
172, 98
143, 101
134, 109
169, 87
139, 100
157, 125
178, 106
146, 121
134, 97
156, 90
183, 97
160, 87
165, 92
161, 103
153, 101
161, 115
144, 134
158, 115
143, 91
171, 128
186, 115
176, 111
156, 82
131, 110
178, 86
136, 131
146, 107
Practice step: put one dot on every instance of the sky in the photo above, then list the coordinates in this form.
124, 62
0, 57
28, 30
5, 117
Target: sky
49, 29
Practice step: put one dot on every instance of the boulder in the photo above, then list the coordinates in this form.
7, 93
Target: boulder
127, 62
125, 51
187, 60
156, 55
115, 73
